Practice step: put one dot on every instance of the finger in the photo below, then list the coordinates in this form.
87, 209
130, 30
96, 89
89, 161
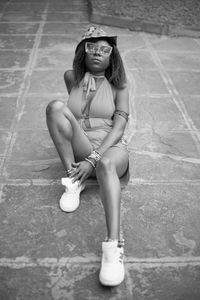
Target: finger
70, 171
72, 175
74, 172
82, 176
75, 165
76, 177
82, 179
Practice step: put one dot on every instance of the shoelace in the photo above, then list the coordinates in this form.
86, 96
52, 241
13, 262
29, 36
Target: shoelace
121, 256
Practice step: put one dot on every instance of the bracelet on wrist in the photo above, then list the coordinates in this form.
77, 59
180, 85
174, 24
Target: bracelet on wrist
95, 155
98, 153
91, 162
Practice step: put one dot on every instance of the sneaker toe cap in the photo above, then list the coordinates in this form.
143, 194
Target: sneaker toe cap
68, 205
111, 276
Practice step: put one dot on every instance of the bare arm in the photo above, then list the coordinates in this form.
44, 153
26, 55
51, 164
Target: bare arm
119, 122
69, 80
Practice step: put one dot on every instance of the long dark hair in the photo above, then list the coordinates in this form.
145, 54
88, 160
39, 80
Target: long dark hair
115, 73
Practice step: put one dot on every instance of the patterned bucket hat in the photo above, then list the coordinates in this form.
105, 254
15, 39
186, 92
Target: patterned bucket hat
97, 33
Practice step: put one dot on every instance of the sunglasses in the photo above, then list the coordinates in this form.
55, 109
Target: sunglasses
92, 48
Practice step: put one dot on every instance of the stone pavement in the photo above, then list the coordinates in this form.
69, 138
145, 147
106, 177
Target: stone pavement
49, 255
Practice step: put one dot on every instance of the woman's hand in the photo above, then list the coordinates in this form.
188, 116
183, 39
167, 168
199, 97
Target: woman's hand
82, 170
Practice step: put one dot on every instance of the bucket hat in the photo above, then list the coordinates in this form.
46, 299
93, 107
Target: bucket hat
93, 33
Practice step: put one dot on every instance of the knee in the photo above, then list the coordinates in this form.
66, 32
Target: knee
54, 106
104, 166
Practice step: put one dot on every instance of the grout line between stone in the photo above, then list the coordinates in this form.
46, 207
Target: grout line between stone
130, 262
132, 182
156, 155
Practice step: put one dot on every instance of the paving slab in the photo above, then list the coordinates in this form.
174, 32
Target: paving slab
18, 28
34, 113
16, 42
14, 59
149, 167
148, 82
33, 225
47, 81
166, 283
68, 28
176, 44
180, 61
55, 57
139, 59
49, 42
4, 141
20, 16
24, 6
186, 83
129, 42
7, 111
67, 16
11, 81
32, 145
174, 143
65, 280
162, 220
192, 105
158, 113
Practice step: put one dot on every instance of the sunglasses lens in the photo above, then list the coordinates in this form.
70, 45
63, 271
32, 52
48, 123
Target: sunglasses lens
94, 48
91, 48
106, 50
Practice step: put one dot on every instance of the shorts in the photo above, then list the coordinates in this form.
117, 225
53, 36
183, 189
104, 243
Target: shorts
97, 136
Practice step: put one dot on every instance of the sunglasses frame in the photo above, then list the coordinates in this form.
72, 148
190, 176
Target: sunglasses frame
103, 54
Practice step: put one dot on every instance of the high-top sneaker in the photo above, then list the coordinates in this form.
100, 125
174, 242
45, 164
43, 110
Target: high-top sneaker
71, 197
112, 267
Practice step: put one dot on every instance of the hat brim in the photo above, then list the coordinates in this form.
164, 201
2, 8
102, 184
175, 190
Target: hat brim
111, 40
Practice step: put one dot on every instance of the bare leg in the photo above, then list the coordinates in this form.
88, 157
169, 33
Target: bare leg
69, 139
113, 165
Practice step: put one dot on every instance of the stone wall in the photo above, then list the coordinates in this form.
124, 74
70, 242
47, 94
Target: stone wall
157, 16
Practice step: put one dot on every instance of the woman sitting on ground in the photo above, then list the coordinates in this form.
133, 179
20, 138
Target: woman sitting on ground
88, 135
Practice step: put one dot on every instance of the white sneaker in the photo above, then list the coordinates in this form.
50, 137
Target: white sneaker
112, 267
71, 197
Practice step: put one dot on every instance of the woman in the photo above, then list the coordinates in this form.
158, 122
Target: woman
88, 135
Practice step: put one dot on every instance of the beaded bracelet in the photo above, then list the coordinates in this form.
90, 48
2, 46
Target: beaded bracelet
122, 114
98, 153
91, 162
95, 155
